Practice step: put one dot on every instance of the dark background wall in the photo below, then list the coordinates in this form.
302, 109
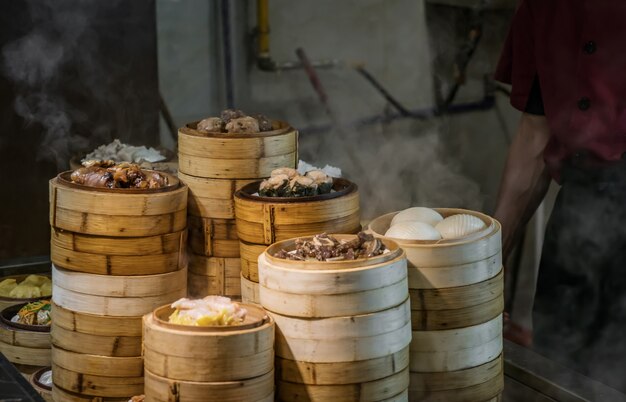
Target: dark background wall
73, 74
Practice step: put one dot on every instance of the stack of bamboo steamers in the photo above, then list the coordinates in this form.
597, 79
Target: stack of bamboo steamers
456, 289
117, 255
214, 166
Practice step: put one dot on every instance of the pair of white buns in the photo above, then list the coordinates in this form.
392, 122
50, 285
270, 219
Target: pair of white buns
419, 223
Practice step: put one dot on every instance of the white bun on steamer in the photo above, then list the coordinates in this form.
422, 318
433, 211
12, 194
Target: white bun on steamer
413, 231
418, 214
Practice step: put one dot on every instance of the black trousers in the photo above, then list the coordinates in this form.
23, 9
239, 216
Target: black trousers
579, 316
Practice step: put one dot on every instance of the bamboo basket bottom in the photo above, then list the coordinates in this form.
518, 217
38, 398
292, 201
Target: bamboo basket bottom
61, 395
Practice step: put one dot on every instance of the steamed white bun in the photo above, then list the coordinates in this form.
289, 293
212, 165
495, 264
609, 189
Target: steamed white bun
418, 214
413, 231
460, 225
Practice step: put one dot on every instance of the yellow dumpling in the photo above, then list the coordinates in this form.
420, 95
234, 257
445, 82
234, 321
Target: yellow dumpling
25, 291
37, 280
46, 289
6, 286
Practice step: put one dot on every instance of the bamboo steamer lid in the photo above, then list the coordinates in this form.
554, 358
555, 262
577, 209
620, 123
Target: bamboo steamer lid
249, 291
213, 237
79, 342
377, 390
341, 339
266, 220
348, 372
212, 198
209, 354
11, 301
42, 389
96, 365
236, 156
213, 276
258, 389
316, 289
249, 254
61, 395
112, 306
119, 286
117, 212
99, 325
167, 253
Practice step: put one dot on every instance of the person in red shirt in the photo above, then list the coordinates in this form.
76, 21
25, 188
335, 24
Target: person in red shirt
566, 63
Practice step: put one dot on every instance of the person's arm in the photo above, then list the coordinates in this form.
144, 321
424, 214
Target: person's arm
525, 180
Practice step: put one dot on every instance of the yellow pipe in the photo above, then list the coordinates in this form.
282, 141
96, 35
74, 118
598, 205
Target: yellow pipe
263, 26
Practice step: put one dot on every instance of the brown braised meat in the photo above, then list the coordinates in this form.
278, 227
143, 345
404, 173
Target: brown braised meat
323, 247
211, 125
243, 125
122, 175
230, 114
265, 124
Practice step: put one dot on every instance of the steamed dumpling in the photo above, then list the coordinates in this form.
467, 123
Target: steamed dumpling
456, 226
413, 231
6, 286
418, 214
25, 291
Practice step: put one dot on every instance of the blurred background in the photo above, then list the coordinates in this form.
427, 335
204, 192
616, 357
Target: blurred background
397, 93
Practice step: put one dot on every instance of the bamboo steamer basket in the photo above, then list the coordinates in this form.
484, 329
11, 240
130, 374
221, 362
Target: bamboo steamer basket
209, 354
258, 389
61, 395
79, 342
456, 289
11, 301
213, 276
26, 345
96, 385
222, 363
343, 328
249, 291
97, 325
97, 365
212, 198
249, 254
313, 289
373, 391
105, 255
44, 390
117, 212
213, 237
266, 220
236, 156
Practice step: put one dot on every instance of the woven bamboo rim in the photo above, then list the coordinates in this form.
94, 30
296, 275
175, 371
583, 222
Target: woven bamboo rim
96, 324
367, 391
112, 306
117, 213
485, 391
39, 357
341, 372
445, 361
459, 297
96, 365
213, 237
258, 389
435, 320
192, 353
263, 220
118, 246
119, 286
446, 253
61, 395
94, 385
249, 291
79, 342
249, 254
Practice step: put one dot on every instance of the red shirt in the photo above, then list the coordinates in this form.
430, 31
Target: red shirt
577, 49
